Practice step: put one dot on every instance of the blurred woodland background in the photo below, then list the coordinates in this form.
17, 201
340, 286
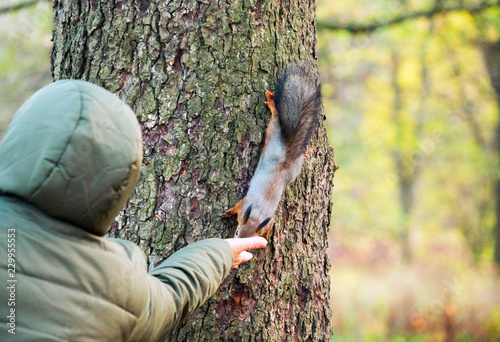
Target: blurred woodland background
409, 94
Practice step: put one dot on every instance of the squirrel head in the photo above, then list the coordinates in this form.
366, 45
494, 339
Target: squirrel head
250, 227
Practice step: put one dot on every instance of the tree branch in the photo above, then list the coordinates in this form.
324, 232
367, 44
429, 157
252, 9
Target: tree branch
355, 28
18, 6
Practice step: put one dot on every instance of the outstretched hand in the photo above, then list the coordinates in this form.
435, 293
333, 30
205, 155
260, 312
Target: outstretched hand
240, 247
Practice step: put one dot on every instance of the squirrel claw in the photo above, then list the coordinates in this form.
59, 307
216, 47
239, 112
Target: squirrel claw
270, 101
269, 95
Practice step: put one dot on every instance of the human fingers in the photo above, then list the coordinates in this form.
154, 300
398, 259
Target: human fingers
245, 244
242, 257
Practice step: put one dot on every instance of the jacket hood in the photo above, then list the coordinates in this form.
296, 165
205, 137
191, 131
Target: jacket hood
73, 150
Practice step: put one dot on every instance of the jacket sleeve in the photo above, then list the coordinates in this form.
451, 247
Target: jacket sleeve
180, 285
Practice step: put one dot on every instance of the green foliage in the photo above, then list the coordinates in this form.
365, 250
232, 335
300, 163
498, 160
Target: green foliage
457, 109
25, 42
443, 127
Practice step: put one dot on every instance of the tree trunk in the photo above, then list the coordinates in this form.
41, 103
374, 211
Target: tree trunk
491, 53
404, 162
195, 74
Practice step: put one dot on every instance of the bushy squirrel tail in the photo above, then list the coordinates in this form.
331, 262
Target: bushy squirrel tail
298, 102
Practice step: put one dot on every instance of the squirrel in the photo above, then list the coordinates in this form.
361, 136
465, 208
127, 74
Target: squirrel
295, 111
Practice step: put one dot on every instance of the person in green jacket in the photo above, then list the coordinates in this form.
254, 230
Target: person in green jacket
68, 164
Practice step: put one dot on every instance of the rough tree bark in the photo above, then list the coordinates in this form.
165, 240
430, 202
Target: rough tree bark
195, 74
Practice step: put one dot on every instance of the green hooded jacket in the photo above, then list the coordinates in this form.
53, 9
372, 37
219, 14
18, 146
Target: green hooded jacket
68, 163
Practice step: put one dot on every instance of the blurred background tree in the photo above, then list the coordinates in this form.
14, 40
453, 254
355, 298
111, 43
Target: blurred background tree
411, 93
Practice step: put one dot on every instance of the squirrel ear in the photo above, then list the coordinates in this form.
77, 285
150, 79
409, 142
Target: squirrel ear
263, 224
247, 214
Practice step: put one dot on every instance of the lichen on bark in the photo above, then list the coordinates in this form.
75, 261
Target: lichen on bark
195, 73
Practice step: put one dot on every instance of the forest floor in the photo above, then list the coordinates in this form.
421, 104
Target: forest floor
440, 296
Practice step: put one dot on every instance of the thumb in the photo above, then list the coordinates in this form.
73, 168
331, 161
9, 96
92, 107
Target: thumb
241, 258
245, 256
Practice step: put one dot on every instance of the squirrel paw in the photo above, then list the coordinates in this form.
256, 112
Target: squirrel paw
270, 101
234, 210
